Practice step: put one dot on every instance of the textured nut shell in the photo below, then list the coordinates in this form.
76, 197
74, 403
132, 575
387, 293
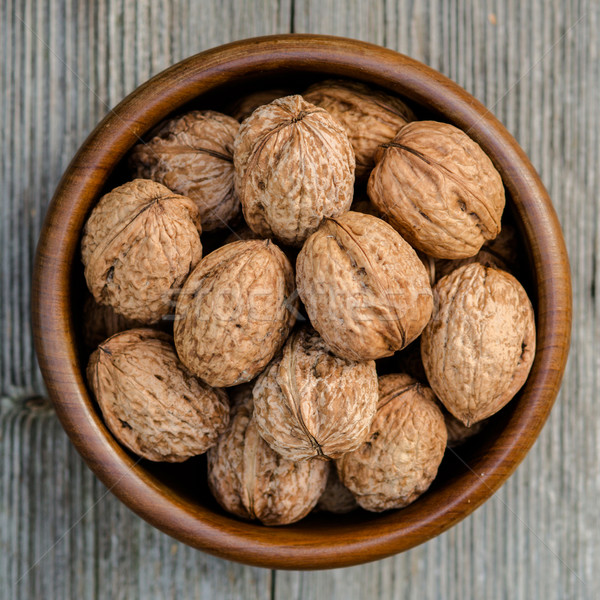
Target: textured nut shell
248, 104
479, 346
235, 312
439, 189
502, 252
101, 322
150, 402
193, 156
254, 482
364, 288
405, 447
309, 402
336, 498
370, 117
139, 245
293, 165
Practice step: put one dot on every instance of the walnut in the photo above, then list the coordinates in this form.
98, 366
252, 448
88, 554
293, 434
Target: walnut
193, 156
254, 482
293, 165
439, 189
336, 497
364, 288
101, 322
139, 245
501, 252
235, 311
309, 402
478, 348
152, 405
403, 451
370, 117
244, 107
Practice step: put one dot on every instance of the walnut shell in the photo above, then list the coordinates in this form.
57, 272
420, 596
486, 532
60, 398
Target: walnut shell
309, 402
336, 498
252, 481
235, 311
439, 189
404, 449
502, 252
244, 107
370, 117
479, 346
193, 156
152, 405
293, 165
364, 288
138, 247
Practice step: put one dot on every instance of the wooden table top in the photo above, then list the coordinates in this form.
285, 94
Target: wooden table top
64, 64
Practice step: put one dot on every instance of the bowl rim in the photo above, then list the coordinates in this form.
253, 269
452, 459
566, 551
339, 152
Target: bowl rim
298, 546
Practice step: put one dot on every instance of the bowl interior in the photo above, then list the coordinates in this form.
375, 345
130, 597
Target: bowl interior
176, 497
189, 479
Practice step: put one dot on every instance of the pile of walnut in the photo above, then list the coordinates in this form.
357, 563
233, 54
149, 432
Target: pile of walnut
299, 300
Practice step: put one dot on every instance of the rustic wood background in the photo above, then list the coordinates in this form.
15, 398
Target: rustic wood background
64, 63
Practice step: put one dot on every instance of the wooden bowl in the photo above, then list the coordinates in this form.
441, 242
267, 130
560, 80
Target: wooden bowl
175, 498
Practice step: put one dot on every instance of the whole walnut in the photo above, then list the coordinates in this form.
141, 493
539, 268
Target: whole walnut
245, 106
235, 312
370, 117
502, 252
439, 189
479, 346
252, 481
364, 288
403, 451
293, 165
193, 156
138, 247
152, 405
336, 498
310, 403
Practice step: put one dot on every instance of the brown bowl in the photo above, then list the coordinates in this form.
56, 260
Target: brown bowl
175, 498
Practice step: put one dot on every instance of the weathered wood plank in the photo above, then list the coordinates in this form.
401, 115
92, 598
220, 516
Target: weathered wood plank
64, 63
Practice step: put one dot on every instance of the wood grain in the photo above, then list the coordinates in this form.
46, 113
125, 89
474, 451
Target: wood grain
537, 537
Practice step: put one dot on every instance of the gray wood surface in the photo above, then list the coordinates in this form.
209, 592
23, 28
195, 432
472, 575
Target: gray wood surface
64, 63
